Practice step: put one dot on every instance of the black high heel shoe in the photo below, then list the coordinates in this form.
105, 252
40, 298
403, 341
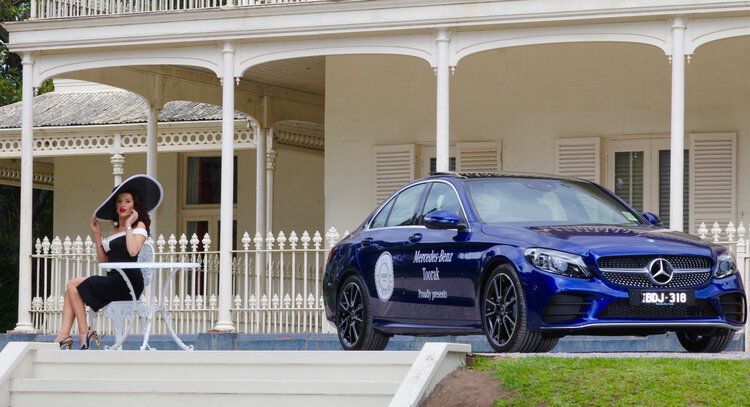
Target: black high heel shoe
90, 335
66, 343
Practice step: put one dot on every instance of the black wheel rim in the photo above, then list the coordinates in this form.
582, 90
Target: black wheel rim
500, 309
351, 314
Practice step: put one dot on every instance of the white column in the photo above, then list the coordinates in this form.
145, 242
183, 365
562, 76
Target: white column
260, 180
270, 167
118, 167
117, 160
27, 186
443, 102
224, 322
152, 132
677, 144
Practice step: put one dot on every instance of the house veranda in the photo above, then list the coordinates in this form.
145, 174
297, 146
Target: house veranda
328, 106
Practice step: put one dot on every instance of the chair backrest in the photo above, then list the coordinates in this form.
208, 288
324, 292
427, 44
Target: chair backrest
146, 256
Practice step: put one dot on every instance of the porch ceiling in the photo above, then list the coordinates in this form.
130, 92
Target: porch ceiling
303, 74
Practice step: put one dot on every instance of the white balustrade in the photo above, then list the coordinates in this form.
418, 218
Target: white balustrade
76, 8
284, 297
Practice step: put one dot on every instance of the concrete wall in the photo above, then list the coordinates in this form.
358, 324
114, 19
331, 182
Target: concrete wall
525, 97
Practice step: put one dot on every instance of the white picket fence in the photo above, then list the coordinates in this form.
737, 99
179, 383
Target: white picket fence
44, 9
286, 296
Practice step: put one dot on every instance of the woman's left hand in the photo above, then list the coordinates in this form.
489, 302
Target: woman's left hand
131, 219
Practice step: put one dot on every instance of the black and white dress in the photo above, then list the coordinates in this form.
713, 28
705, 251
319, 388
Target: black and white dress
98, 291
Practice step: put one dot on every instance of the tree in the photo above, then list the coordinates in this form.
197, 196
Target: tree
10, 63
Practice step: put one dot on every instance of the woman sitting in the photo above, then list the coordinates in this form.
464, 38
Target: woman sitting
127, 207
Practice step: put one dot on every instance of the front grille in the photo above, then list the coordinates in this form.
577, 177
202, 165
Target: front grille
733, 306
641, 280
565, 308
621, 309
640, 262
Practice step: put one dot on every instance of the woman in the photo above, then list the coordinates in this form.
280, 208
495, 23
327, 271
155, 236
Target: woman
127, 207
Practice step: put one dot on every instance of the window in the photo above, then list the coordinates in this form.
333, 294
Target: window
203, 180
441, 198
200, 178
382, 217
405, 206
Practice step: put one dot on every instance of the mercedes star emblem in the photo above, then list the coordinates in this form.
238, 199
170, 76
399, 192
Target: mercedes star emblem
661, 271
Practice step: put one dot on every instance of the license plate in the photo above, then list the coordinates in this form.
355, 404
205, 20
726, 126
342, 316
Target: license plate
656, 297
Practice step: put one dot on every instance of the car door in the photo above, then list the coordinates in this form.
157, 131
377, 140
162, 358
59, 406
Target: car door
434, 286
381, 255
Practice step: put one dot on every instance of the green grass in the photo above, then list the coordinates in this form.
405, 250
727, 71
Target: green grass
547, 381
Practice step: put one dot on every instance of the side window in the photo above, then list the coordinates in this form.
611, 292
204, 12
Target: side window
441, 198
379, 220
405, 205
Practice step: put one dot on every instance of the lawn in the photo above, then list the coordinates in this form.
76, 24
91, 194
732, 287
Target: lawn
548, 381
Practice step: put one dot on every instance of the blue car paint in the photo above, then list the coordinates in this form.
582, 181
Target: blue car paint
480, 247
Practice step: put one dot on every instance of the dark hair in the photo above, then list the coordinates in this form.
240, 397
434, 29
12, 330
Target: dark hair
138, 207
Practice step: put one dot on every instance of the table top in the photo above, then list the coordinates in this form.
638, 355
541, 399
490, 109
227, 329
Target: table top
151, 265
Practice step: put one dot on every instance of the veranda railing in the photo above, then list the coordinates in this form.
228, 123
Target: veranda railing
44, 9
285, 296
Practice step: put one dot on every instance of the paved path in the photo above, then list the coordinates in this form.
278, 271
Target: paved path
673, 355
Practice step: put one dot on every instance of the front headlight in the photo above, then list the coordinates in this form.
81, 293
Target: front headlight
555, 262
725, 265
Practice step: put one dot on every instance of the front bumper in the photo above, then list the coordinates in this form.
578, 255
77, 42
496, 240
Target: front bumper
566, 305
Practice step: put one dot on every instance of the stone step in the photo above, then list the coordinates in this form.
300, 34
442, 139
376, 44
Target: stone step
226, 365
199, 392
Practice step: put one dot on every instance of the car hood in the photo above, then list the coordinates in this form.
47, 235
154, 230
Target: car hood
603, 240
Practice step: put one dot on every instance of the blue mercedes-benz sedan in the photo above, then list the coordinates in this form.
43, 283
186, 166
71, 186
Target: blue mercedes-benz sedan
526, 260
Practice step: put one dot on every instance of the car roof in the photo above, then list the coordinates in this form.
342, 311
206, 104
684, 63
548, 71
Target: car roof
475, 175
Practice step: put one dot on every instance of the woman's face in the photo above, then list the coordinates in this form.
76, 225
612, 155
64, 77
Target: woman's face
124, 204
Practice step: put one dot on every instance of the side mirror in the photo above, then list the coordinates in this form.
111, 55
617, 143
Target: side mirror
443, 220
652, 219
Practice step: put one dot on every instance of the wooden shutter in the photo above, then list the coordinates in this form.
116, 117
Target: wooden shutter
481, 156
395, 166
713, 179
578, 157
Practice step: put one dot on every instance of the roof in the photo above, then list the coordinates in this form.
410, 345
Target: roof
116, 107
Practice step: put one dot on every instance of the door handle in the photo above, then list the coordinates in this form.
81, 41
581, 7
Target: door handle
366, 242
415, 237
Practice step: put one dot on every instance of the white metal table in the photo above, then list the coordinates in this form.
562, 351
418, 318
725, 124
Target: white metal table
149, 310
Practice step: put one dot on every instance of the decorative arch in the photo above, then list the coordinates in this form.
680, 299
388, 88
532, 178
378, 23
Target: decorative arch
48, 66
418, 46
464, 44
703, 31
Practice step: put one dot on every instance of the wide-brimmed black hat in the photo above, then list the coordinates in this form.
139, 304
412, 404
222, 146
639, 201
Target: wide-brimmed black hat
148, 189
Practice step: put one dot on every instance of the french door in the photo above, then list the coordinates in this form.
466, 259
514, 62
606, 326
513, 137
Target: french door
638, 171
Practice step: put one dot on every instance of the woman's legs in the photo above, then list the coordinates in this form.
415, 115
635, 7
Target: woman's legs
73, 308
79, 308
67, 319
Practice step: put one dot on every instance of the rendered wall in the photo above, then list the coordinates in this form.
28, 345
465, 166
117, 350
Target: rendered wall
82, 183
525, 97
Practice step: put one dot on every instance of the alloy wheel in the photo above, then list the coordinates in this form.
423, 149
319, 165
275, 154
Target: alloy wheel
351, 314
501, 309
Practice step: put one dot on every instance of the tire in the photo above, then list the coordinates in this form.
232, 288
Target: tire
546, 345
504, 315
353, 318
698, 343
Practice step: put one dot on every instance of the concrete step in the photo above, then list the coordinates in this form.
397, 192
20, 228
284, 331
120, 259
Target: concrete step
223, 365
199, 392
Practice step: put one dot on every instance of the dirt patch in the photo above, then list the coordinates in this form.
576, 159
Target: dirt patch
466, 387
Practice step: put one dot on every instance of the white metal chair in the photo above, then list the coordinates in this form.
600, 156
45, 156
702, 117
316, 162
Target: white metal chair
123, 313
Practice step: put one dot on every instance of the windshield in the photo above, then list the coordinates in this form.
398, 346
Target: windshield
533, 201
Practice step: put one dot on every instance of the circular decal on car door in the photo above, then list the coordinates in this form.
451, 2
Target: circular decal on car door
384, 276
